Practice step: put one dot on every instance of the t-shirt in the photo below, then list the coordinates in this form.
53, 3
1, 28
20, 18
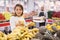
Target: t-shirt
14, 20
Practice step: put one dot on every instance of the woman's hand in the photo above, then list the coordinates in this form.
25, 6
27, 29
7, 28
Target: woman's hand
20, 23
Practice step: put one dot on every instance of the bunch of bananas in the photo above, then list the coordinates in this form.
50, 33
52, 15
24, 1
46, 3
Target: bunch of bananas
31, 24
30, 34
3, 36
13, 36
48, 27
55, 25
21, 23
22, 33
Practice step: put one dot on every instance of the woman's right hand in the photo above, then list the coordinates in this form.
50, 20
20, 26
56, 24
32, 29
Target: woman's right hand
20, 23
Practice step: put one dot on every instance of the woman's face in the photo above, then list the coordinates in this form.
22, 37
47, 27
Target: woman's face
18, 11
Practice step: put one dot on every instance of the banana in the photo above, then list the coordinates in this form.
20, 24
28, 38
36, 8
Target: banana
28, 36
31, 24
24, 39
35, 31
58, 27
13, 36
49, 27
3, 36
32, 35
54, 24
24, 34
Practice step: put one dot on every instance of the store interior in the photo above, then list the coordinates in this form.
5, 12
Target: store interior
40, 20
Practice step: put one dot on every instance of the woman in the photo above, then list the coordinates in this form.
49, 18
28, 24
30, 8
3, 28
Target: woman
17, 18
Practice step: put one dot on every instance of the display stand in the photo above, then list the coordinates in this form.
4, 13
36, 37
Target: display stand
38, 20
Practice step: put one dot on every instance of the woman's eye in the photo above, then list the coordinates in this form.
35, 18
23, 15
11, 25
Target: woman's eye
19, 9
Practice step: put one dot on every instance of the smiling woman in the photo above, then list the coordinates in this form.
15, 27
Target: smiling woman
18, 10
17, 18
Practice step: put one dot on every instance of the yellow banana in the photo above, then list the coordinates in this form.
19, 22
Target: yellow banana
31, 24
32, 35
24, 39
28, 36
24, 34
58, 27
3, 36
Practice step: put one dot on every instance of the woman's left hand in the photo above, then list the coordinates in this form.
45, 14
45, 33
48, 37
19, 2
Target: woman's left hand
20, 23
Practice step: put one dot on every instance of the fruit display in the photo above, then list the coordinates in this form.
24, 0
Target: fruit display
31, 24
53, 27
22, 33
55, 18
2, 17
38, 18
56, 15
7, 15
21, 23
3, 36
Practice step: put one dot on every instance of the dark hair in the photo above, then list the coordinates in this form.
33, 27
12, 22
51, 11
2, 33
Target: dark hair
18, 5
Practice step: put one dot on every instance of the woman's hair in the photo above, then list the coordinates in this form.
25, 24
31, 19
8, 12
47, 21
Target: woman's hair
18, 5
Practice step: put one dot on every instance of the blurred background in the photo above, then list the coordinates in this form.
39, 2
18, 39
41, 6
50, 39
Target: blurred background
32, 8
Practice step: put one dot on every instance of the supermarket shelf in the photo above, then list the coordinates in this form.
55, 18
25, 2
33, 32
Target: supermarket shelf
5, 24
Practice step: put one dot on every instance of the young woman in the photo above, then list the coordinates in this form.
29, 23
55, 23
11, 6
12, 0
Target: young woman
17, 18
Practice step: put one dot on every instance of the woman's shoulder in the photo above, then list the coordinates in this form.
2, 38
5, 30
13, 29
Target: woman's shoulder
12, 17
